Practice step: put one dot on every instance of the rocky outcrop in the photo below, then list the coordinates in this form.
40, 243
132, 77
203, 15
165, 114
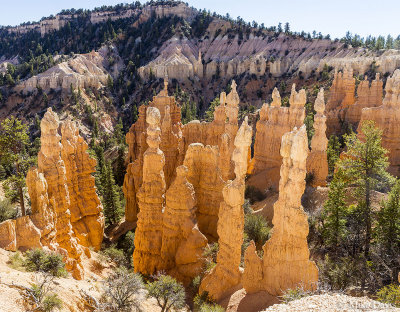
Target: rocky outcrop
66, 211
182, 241
317, 162
205, 176
86, 210
341, 97
285, 263
367, 96
171, 145
274, 122
52, 166
148, 235
387, 117
226, 274
81, 71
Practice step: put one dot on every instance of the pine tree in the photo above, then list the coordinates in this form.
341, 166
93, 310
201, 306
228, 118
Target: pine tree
14, 145
111, 197
364, 165
333, 152
388, 231
210, 111
334, 214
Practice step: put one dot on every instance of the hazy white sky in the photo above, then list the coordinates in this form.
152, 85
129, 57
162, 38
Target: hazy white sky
334, 17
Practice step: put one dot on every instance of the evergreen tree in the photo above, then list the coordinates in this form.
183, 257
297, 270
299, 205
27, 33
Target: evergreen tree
335, 214
210, 111
333, 152
111, 197
364, 165
14, 144
388, 231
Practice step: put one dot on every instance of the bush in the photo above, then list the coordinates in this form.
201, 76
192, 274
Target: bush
294, 294
390, 294
257, 230
168, 293
51, 302
120, 291
16, 261
7, 211
42, 299
203, 303
210, 255
38, 260
253, 194
339, 274
116, 255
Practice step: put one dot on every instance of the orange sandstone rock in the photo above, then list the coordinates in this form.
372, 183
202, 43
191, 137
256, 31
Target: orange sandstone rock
148, 235
205, 176
367, 96
387, 117
341, 96
52, 166
182, 242
285, 263
317, 162
86, 210
171, 145
226, 274
274, 122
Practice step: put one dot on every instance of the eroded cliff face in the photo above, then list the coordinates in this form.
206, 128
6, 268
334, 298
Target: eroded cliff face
317, 162
343, 108
81, 71
182, 242
226, 274
167, 236
181, 58
86, 210
285, 263
387, 117
175, 142
66, 211
274, 122
171, 145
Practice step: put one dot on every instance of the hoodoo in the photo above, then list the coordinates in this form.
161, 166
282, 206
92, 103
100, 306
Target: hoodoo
285, 263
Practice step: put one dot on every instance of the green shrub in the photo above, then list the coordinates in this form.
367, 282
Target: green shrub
210, 255
340, 273
390, 294
294, 294
41, 298
38, 260
257, 230
203, 303
7, 211
254, 194
51, 302
168, 293
116, 255
16, 261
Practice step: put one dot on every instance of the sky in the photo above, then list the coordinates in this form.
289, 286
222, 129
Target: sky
333, 17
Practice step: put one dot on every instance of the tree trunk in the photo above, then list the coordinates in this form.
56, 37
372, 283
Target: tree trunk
21, 200
367, 216
21, 193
